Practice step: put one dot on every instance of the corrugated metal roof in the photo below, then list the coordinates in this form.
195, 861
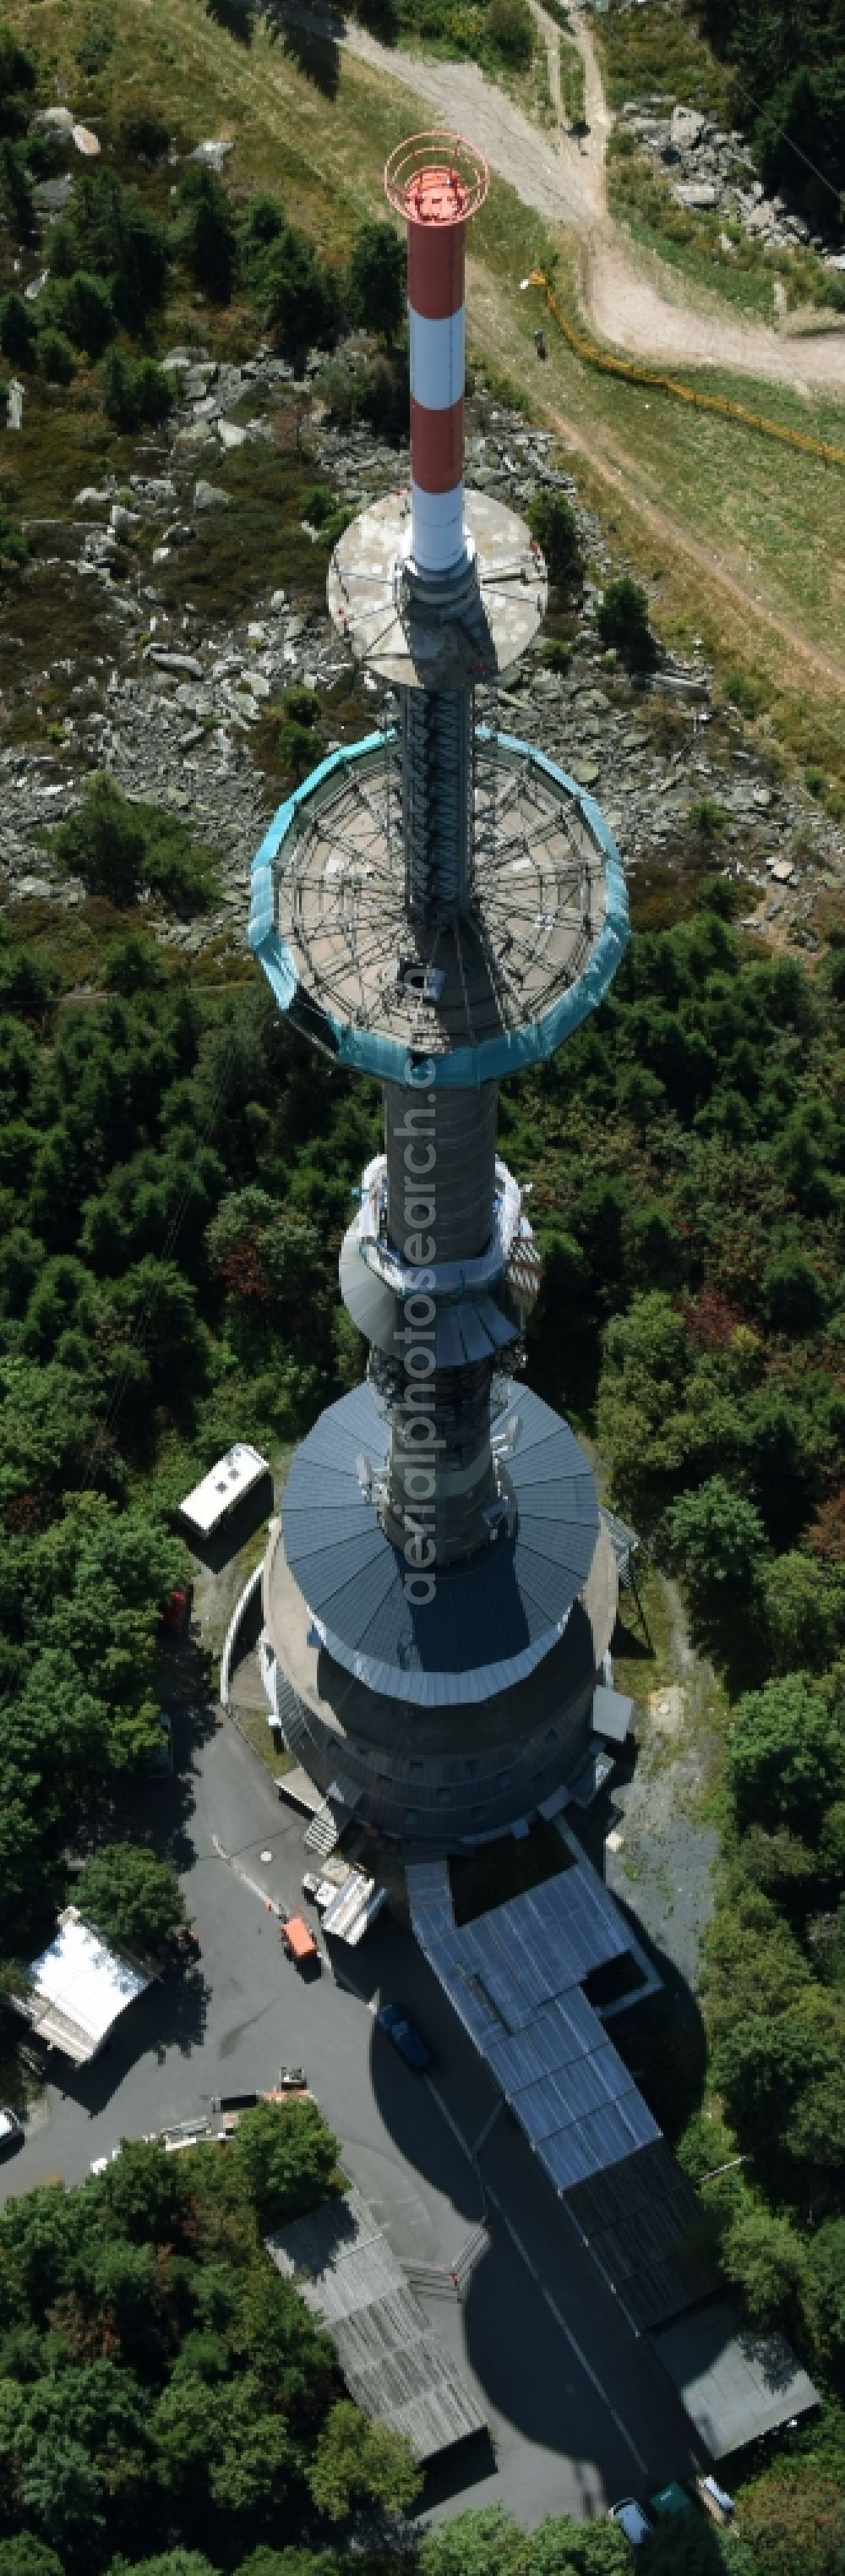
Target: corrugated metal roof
391, 2361
489, 1624
735, 2385
641, 2218
513, 1977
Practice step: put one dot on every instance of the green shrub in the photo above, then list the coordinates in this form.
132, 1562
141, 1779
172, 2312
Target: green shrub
302, 706
296, 750
557, 656
18, 330
84, 309
376, 391
143, 132
552, 521
204, 235
18, 74
376, 279
134, 391
16, 199
153, 392
707, 817
261, 224
109, 233
95, 45
318, 504
14, 550
117, 848
300, 299
622, 620
56, 358
744, 692
511, 31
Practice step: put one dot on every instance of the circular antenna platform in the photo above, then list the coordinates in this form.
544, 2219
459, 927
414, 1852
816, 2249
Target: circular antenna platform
436, 178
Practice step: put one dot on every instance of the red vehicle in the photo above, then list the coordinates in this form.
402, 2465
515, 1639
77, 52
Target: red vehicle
299, 1942
176, 1613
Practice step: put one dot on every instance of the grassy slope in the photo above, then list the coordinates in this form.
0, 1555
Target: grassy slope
766, 515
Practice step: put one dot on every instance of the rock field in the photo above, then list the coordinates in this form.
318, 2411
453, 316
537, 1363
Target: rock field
170, 710
708, 169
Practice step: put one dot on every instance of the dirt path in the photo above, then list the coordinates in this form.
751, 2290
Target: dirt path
662, 1853
631, 302
622, 475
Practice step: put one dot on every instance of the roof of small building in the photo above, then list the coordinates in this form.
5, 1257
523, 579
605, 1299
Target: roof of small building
735, 2385
78, 1989
225, 1484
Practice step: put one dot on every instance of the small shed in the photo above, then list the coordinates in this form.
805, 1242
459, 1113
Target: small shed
218, 1494
78, 1989
612, 1714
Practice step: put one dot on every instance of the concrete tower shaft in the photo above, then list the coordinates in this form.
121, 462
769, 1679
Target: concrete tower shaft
441, 1173
436, 182
438, 906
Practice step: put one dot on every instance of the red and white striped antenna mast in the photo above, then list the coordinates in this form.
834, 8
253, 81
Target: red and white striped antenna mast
437, 182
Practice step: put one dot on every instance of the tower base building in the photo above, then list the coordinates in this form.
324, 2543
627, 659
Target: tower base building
438, 906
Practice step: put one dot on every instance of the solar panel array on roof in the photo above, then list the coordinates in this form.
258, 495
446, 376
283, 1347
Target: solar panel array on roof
392, 2363
514, 1979
640, 2220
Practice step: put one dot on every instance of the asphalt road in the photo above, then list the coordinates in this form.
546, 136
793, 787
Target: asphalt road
579, 2411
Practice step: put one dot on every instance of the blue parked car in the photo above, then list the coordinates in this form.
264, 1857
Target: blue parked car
409, 2041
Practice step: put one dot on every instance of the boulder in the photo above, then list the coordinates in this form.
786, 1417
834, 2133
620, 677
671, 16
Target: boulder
686, 128
696, 193
59, 120
209, 496
185, 663
121, 519
213, 151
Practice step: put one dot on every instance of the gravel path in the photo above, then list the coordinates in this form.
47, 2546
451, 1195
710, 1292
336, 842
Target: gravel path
661, 1857
634, 303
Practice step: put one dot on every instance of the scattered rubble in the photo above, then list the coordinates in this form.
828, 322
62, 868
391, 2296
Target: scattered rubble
170, 711
708, 168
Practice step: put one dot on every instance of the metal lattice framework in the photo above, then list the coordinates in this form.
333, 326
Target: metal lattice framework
536, 900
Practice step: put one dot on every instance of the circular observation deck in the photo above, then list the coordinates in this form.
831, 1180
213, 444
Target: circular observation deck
544, 929
446, 633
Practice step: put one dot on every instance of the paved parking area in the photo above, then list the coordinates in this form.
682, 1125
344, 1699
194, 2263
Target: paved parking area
578, 2409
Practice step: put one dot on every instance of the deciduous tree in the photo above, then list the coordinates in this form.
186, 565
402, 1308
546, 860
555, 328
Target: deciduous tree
358, 2462
286, 2157
130, 1897
786, 1752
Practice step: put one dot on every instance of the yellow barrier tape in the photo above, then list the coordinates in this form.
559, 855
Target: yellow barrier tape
634, 375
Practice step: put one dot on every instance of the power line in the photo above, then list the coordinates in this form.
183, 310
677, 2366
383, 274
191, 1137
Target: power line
791, 146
